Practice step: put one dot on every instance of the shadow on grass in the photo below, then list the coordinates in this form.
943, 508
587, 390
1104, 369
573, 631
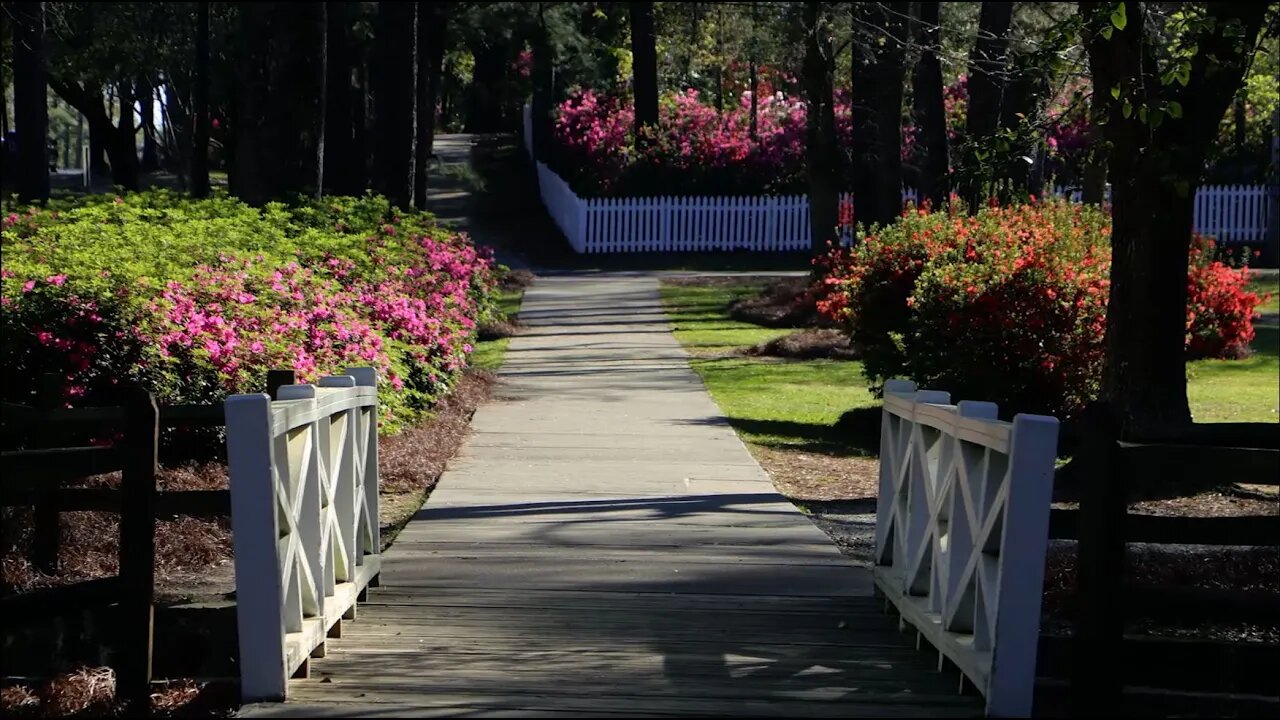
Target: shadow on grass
857, 432
1266, 342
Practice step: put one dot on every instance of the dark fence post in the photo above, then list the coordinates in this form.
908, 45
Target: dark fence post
46, 535
137, 550
277, 378
1097, 654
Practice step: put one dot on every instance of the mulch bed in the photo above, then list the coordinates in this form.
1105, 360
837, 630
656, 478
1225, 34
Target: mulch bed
808, 344
194, 556
839, 493
781, 303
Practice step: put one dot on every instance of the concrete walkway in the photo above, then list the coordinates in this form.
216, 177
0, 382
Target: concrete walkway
606, 545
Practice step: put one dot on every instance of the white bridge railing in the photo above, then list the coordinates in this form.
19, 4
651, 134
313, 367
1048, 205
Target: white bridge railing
962, 526
304, 516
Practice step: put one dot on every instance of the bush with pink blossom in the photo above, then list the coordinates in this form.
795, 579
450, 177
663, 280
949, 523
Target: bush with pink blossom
197, 299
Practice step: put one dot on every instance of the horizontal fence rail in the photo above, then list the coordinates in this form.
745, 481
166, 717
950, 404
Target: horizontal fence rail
1232, 214
962, 523
304, 517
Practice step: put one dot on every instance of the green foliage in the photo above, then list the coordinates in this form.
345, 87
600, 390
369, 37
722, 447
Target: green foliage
197, 299
792, 403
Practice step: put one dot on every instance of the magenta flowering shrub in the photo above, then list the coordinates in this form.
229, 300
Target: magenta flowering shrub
698, 150
695, 150
116, 291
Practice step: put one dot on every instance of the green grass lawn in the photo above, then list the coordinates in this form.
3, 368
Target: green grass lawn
1267, 284
793, 403
771, 402
489, 354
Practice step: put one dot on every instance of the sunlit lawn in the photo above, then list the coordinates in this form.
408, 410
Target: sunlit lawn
795, 402
489, 354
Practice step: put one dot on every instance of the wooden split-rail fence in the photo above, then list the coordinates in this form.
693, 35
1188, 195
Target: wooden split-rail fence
302, 500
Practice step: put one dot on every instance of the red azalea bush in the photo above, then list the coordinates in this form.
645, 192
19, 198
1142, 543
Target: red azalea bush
1220, 310
1008, 305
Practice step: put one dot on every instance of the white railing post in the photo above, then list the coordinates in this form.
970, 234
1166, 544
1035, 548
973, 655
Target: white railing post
961, 533
259, 586
366, 433
1033, 449
304, 516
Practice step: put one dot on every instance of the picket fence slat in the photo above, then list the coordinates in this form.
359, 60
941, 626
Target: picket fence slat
1232, 214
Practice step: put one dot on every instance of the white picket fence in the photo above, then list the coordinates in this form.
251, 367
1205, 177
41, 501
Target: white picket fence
1233, 214
304, 519
962, 524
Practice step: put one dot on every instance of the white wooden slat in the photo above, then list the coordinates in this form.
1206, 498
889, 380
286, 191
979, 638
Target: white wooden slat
961, 533
1232, 214
304, 495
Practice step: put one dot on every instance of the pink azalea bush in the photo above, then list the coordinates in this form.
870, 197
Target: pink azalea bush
197, 299
699, 150
695, 150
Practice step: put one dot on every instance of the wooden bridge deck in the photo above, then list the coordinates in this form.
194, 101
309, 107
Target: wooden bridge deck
605, 545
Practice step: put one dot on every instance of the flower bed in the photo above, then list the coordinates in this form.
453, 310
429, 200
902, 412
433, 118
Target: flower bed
697, 150
197, 299
1009, 304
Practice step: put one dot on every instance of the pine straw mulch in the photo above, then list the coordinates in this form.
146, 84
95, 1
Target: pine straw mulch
193, 555
194, 558
839, 491
90, 692
807, 344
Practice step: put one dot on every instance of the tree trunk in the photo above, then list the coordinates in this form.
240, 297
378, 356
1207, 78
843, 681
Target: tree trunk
644, 66
4, 84
1093, 189
394, 107
988, 66
200, 107
99, 135
931, 111
30, 103
820, 145
1155, 170
150, 156
543, 87
754, 73
879, 38
254, 154
485, 113
295, 100
436, 42
430, 52
123, 149
344, 153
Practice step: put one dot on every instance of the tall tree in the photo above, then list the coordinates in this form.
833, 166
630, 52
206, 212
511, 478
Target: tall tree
345, 168
431, 36
1161, 118
879, 40
280, 93
127, 134
30, 105
255, 153
199, 161
988, 67
4, 97
930, 110
644, 65
147, 107
820, 135
437, 42
394, 107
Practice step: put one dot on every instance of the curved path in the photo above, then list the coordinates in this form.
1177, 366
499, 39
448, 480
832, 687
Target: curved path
606, 545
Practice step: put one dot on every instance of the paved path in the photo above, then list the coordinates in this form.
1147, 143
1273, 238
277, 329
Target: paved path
606, 545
